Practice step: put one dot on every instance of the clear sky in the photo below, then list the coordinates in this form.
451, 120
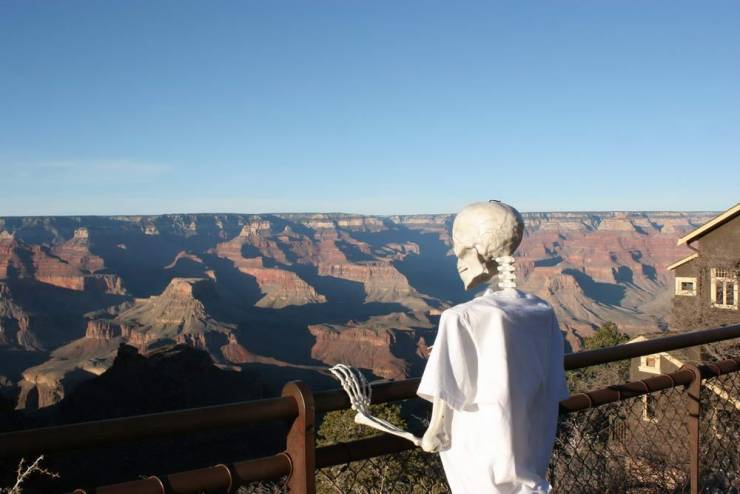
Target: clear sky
373, 106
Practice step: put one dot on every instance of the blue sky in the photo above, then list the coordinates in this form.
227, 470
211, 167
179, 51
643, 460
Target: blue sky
379, 107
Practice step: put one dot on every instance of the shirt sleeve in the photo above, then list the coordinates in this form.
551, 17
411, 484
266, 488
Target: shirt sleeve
451, 371
558, 383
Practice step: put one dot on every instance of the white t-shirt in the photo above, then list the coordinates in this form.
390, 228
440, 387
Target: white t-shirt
497, 362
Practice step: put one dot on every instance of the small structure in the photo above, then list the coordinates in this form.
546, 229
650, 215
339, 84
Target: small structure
655, 424
706, 282
659, 363
671, 361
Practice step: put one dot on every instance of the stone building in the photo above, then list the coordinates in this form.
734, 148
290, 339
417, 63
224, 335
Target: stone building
706, 282
656, 364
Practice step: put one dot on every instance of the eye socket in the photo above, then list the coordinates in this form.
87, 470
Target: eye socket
468, 254
457, 248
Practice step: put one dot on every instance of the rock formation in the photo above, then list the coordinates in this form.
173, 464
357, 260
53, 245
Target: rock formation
280, 287
68, 265
170, 377
381, 280
14, 258
14, 321
390, 345
178, 315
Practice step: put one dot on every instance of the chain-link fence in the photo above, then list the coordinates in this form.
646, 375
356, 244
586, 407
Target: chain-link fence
720, 434
413, 472
721, 350
279, 486
638, 445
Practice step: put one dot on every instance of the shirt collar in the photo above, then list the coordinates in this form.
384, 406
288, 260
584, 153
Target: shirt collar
488, 291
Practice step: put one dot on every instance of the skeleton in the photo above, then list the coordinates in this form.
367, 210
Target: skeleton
484, 237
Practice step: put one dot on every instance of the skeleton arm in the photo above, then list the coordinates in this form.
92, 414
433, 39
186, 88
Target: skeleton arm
437, 436
360, 394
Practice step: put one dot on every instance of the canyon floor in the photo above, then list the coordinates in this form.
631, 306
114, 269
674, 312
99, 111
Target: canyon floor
285, 295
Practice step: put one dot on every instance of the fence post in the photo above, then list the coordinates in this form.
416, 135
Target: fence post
301, 443
694, 420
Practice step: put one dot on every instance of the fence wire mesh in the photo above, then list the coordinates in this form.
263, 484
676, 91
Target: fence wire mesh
639, 445
719, 434
714, 352
278, 486
411, 471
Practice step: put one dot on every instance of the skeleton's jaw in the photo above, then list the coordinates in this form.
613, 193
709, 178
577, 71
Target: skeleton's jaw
472, 272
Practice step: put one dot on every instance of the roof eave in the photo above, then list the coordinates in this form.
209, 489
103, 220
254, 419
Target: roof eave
710, 225
683, 261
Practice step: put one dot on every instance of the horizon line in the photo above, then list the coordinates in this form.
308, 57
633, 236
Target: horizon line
284, 213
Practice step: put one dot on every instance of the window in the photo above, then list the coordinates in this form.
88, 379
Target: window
650, 364
724, 289
685, 286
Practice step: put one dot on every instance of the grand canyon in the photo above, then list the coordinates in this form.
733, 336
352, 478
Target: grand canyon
281, 296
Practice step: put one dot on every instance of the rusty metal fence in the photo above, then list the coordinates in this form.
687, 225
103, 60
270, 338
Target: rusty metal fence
635, 437
677, 432
635, 445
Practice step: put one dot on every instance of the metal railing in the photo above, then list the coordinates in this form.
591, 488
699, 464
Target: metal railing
577, 467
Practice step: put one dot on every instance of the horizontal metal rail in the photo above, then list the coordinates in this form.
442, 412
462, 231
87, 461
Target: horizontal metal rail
105, 432
611, 394
216, 478
361, 449
579, 360
90, 434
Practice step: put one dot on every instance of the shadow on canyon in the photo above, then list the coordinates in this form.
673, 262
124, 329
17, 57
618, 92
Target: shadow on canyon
283, 333
57, 314
605, 293
432, 271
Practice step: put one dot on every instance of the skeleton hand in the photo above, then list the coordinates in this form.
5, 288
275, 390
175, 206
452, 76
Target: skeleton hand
360, 395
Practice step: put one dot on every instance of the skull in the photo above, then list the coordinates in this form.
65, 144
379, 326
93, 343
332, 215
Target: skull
481, 232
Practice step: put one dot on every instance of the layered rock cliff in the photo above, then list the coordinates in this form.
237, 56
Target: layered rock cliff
14, 321
68, 265
279, 286
392, 346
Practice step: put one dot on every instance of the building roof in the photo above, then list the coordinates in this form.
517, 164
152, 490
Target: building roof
683, 261
711, 225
